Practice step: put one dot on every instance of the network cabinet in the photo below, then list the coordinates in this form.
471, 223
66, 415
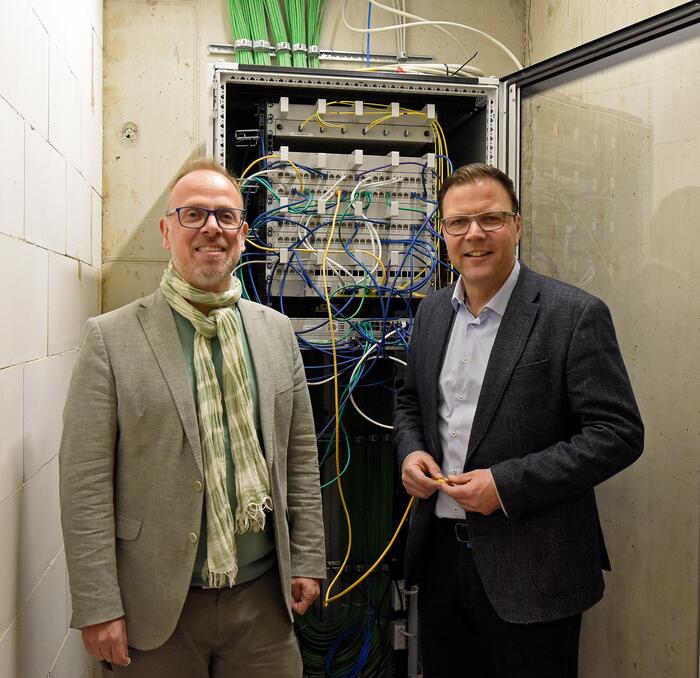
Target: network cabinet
340, 173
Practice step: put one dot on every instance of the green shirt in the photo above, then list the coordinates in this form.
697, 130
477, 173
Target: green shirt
255, 550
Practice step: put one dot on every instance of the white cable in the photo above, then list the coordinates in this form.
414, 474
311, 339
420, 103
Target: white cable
430, 69
320, 383
329, 192
333, 263
248, 263
401, 26
376, 246
364, 357
437, 24
366, 183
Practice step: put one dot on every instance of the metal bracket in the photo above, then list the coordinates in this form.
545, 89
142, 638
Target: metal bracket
340, 55
247, 137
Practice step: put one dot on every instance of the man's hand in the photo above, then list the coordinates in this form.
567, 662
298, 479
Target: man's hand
304, 592
420, 474
474, 491
107, 641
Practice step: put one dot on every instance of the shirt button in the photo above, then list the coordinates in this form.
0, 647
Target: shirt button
460, 397
192, 537
465, 360
454, 434
197, 484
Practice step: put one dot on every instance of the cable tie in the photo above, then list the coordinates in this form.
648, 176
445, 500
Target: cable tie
299, 47
261, 46
313, 49
242, 43
283, 47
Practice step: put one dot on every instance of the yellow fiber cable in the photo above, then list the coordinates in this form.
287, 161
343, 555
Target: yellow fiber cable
266, 157
328, 600
262, 247
324, 123
335, 397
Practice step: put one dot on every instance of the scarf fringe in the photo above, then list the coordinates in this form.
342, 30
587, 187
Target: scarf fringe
217, 580
251, 518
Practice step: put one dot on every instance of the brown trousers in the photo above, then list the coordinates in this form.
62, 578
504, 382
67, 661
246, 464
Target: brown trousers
239, 632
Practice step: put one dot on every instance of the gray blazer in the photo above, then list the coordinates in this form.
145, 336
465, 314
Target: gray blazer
555, 417
131, 466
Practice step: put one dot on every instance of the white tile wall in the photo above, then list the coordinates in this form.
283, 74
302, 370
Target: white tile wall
64, 108
23, 333
78, 217
72, 660
50, 184
45, 388
24, 55
10, 598
12, 649
12, 184
91, 144
40, 529
44, 194
96, 216
45, 621
73, 298
94, 10
96, 99
79, 42
53, 16
11, 444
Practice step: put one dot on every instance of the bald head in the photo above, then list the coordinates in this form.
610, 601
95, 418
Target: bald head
197, 166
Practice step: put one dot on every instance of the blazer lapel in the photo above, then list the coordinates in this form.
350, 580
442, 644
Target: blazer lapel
161, 333
512, 336
440, 324
254, 325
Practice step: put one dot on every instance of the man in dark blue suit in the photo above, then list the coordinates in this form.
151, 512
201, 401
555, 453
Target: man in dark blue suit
515, 405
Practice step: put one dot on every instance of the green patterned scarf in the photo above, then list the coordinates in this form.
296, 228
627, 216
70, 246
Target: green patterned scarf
252, 478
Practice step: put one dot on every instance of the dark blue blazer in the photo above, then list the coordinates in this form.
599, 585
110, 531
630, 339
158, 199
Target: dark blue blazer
555, 417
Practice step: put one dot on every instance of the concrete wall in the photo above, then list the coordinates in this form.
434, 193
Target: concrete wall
611, 190
156, 83
555, 26
50, 241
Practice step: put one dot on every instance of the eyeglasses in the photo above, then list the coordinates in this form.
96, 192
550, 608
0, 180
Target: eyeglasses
228, 218
488, 221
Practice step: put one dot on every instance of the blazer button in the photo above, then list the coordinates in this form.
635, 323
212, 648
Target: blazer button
197, 484
193, 537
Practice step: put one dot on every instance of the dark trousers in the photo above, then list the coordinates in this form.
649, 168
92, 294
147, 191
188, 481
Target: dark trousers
463, 637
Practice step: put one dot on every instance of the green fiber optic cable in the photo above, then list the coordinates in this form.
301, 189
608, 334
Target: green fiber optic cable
244, 290
279, 32
258, 29
297, 31
347, 462
367, 481
313, 29
264, 183
241, 32
353, 286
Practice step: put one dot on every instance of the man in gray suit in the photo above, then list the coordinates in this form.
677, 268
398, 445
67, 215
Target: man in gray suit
515, 404
190, 494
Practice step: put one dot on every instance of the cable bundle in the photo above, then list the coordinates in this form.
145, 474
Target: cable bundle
314, 14
255, 13
297, 32
351, 638
242, 41
279, 32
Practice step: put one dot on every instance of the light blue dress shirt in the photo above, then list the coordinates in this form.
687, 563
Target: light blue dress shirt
462, 376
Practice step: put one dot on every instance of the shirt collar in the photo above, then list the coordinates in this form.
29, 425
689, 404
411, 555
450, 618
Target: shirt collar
498, 301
